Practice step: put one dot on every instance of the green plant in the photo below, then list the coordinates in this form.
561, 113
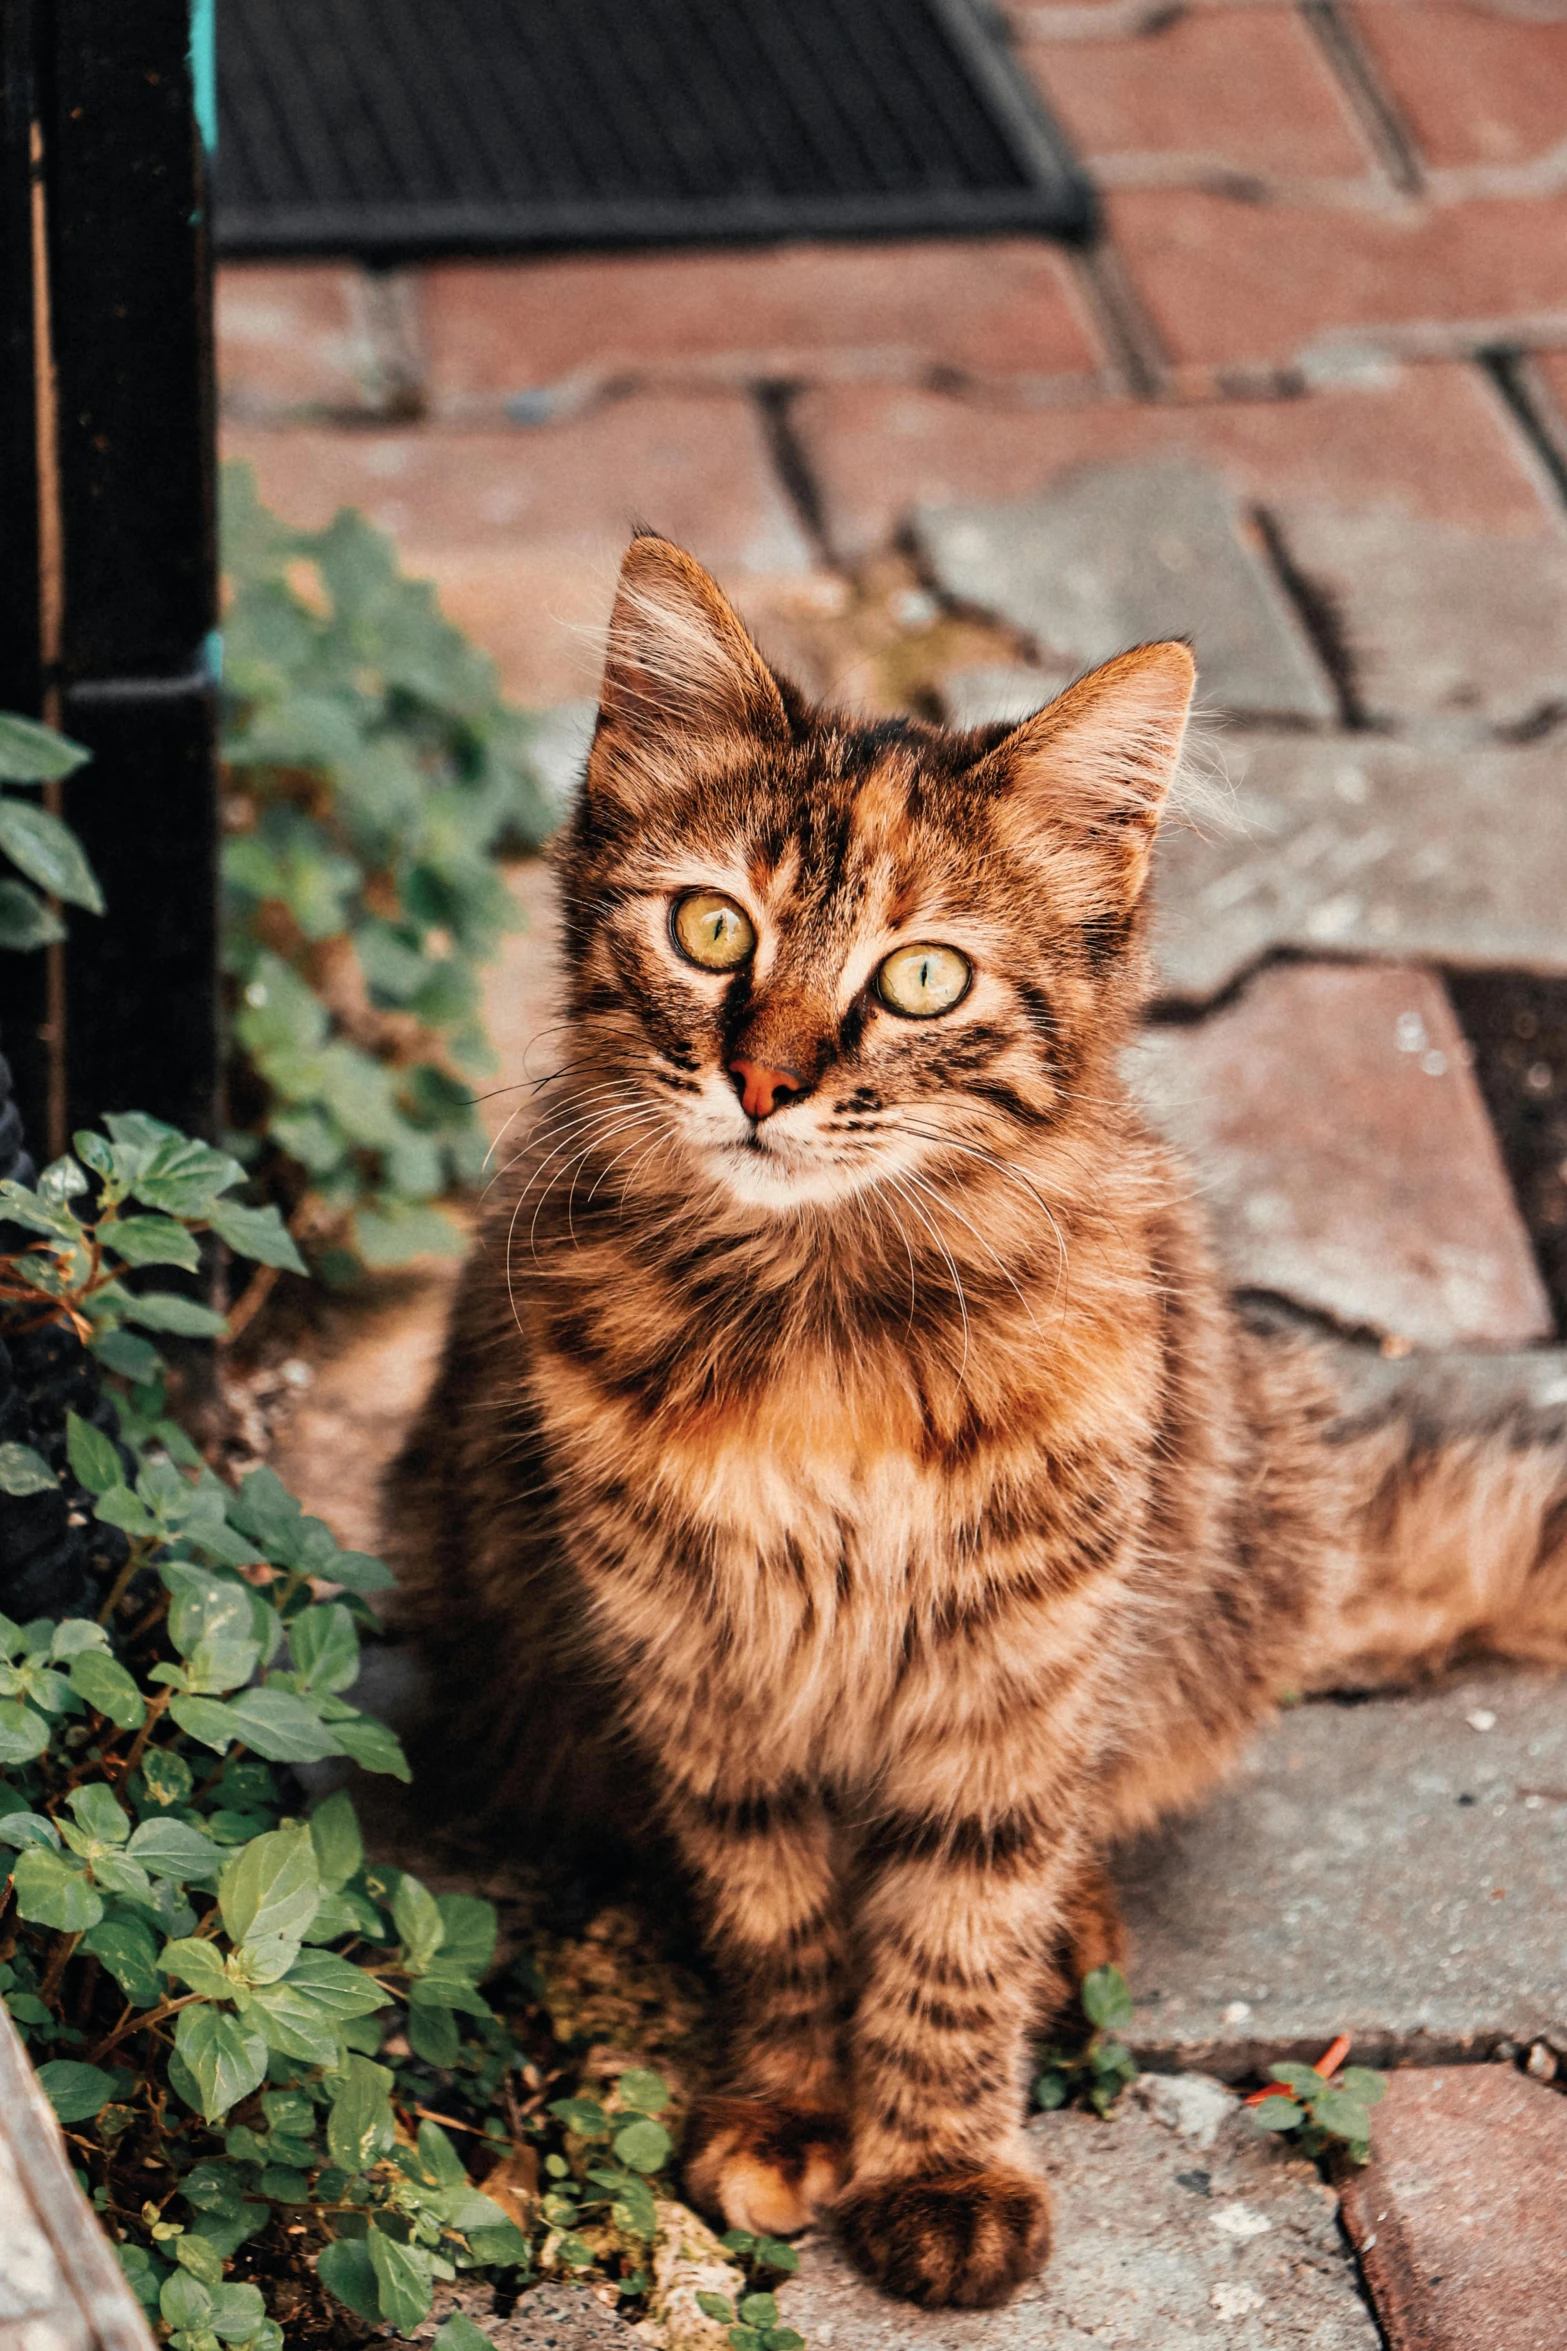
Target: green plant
1099, 2071
36, 841
260, 2042
371, 772
1318, 2113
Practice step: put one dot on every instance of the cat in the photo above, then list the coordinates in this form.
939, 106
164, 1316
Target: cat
845, 1445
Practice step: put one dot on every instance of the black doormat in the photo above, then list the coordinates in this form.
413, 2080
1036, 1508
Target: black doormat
391, 128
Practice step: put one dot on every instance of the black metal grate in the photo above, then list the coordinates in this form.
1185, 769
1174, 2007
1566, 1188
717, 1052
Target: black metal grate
389, 127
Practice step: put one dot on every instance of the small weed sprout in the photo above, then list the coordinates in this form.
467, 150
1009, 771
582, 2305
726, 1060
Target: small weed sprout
1097, 2073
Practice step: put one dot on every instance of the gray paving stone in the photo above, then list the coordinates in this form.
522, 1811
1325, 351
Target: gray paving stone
1456, 1385
548, 2317
1115, 554
1166, 2240
1338, 1136
1366, 848
1396, 1870
1440, 623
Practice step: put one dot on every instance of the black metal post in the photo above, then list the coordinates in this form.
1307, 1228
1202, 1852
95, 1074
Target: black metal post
129, 316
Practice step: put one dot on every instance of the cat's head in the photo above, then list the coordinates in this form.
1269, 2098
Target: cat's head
824, 950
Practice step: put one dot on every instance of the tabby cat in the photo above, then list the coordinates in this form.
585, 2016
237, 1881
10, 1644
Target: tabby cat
844, 1435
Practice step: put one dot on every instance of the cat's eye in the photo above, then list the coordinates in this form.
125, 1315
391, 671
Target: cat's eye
712, 930
922, 981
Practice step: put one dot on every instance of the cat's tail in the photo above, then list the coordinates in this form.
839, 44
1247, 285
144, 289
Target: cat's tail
1456, 1542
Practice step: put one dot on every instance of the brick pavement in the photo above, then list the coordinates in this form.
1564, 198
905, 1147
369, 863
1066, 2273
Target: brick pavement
1331, 295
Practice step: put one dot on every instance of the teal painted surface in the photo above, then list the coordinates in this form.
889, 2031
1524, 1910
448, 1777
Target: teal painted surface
204, 68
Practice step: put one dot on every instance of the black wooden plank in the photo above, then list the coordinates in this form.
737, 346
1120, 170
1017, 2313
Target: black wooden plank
530, 125
142, 985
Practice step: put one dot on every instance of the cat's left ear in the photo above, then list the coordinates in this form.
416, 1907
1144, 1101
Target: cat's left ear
1093, 768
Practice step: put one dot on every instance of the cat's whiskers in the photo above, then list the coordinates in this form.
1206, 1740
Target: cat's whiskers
957, 1279
543, 1132
991, 1159
931, 1192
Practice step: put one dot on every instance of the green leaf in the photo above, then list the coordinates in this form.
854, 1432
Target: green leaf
22, 1471
433, 2035
96, 1811
334, 1831
127, 1949
31, 753
345, 2269
259, 1233
29, 1828
334, 1985
418, 1922
468, 1942
716, 2306
644, 2145
25, 921
394, 1234
225, 2054
106, 1687
185, 1318
324, 1644
402, 2273
1338, 2111
644, 2093
151, 1240
173, 1848
268, 1896
238, 2315
94, 1458
1303, 2079
1107, 2002
199, 1964
1278, 2114
458, 2333
182, 1177
359, 2125
52, 1892
76, 2092
356, 1571
1358, 2081
585, 2116
184, 2301
373, 1747
133, 1358
49, 853
782, 2339
773, 2253
283, 1728
196, 2255
759, 2310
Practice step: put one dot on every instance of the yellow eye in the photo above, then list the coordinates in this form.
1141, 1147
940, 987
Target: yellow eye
713, 931
922, 981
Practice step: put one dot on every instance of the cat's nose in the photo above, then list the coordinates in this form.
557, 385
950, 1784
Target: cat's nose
761, 1089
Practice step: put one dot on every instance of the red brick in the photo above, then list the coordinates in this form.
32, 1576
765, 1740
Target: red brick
1472, 86
1231, 89
1002, 305
1458, 2216
1433, 440
292, 339
1246, 285
523, 530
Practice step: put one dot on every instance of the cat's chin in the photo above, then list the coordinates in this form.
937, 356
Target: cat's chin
781, 1179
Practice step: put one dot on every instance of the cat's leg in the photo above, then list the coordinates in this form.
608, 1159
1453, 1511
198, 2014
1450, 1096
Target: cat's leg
769, 2152
943, 2204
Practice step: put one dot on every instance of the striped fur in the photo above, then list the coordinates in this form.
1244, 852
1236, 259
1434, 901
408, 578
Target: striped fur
885, 1501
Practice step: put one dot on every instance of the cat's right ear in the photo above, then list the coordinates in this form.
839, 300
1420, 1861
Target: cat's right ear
681, 669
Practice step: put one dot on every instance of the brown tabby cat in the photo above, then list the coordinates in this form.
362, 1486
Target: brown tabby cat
843, 1425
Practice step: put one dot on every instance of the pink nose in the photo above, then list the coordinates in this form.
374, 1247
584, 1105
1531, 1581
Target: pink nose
759, 1088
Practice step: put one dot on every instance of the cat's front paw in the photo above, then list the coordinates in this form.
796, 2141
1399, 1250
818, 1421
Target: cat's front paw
764, 2167
964, 2238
